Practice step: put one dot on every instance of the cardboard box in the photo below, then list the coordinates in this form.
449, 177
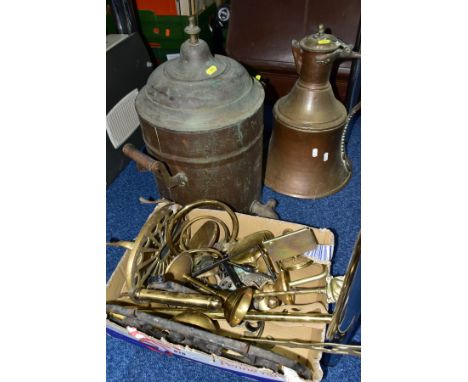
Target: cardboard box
311, 303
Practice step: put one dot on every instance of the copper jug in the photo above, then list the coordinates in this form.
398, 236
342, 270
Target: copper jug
307, 158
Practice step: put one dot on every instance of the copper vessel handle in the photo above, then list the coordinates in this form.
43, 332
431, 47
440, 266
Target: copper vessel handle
156, 167
297, 54
344, 51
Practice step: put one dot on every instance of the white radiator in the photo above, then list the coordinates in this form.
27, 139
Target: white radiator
122, 120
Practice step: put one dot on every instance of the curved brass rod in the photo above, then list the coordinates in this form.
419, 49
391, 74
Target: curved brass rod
201, 203
189, 223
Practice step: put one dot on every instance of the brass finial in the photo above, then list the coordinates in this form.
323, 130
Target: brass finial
192, 30
321, 29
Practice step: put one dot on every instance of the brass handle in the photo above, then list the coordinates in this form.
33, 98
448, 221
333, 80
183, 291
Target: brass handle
156, 167
297, 54
344, 51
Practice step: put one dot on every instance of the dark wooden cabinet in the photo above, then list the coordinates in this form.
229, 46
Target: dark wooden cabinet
260, 34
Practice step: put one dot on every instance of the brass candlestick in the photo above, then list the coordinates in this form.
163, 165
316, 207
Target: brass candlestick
236, 304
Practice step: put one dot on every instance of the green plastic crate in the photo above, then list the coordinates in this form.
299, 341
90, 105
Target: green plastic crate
165, 34
110, 25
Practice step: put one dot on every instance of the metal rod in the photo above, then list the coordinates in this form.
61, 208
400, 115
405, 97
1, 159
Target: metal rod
192, 8
192, 25
325, 347
295, 292
180, 299
288, 317
253, 315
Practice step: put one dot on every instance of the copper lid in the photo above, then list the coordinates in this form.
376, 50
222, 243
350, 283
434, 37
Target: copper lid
320, 41
198, 91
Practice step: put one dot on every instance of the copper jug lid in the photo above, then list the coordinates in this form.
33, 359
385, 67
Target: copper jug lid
320, 41
198, 91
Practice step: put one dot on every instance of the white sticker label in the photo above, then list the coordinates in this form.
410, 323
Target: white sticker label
122, 119
321, 253
314, 152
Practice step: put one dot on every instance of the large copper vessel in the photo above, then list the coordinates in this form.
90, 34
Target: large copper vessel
306, 156
202, 122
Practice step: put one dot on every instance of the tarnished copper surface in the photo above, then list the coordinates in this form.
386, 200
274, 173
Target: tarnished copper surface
306, 158
202, 117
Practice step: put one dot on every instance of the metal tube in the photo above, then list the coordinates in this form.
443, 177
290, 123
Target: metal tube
325, 347
256, 316
294, 292
288, 317
191, 300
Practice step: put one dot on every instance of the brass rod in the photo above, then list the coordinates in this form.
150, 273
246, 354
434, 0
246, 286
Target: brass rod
295, 292
256, 316
192, 8
288, 317
193, 36
180, 299
324, 347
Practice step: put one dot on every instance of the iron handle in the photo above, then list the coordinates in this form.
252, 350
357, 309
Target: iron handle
156, 167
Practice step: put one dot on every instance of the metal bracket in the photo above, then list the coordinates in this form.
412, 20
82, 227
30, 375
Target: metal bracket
266, 210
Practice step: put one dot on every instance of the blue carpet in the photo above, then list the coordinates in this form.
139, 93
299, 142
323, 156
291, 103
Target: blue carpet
125, 215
